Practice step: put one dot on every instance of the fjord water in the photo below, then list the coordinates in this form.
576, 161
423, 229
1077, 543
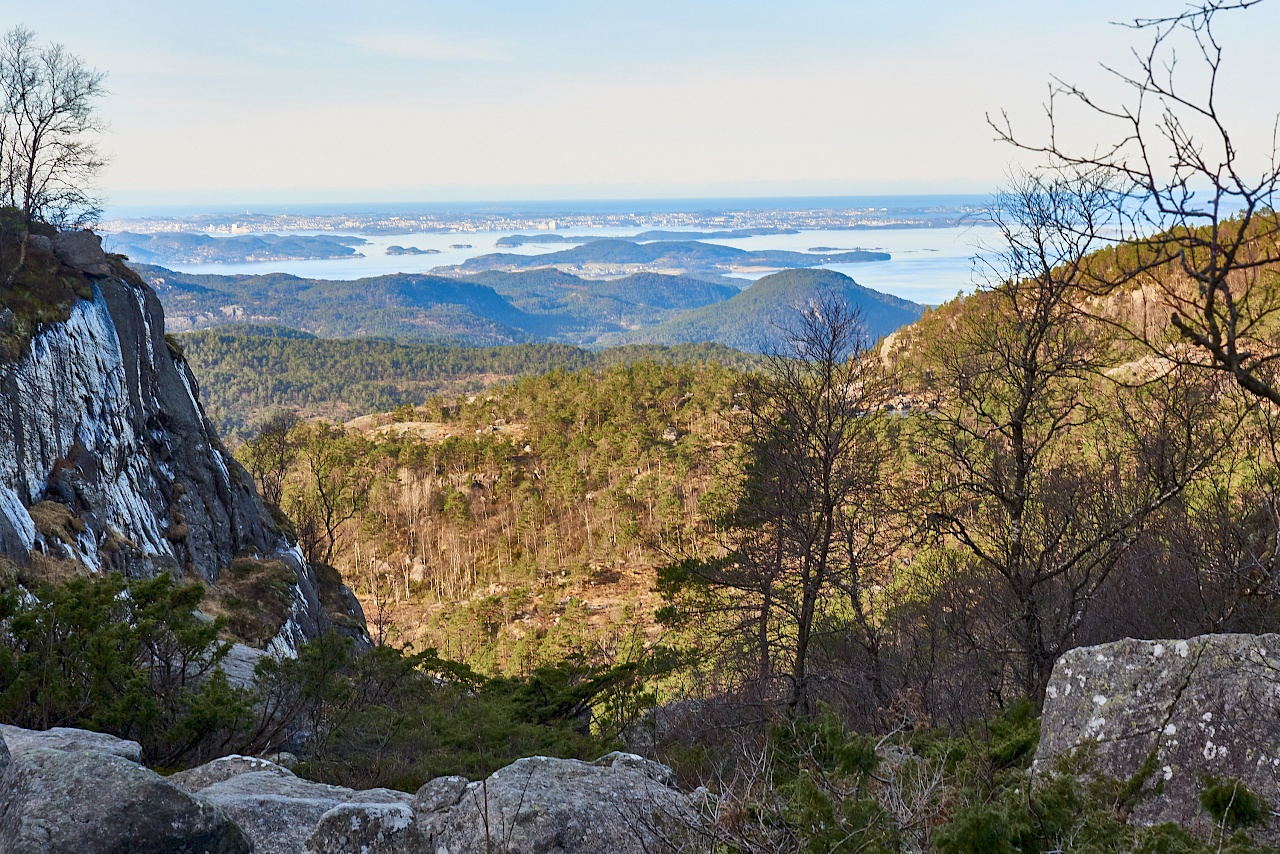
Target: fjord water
928, 265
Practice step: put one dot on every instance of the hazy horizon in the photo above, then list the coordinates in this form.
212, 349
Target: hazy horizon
425, 102
550, 206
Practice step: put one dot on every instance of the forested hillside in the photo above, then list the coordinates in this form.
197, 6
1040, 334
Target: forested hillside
250, 372
755, 319
485, 309
512, 529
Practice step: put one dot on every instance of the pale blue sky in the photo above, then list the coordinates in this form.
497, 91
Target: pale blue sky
274, 101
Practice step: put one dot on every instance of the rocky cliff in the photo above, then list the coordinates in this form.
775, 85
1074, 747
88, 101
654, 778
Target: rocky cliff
106, 457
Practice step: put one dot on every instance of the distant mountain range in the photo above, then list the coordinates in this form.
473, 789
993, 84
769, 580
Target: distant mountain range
497, 307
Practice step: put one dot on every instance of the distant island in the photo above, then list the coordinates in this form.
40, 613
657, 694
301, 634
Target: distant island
460, 246
410, 250
613, 257
522, 239
187, 248
647, 236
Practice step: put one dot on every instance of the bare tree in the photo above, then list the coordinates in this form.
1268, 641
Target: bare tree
48, 156
1197, 209
270, 455
334, 484
1050, 465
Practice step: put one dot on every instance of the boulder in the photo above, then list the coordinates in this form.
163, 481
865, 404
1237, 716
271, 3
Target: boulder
622, 805
73, 801
433, 802
370, 828
203, 776
82, 250
1178, 711
279, 811
240, 664
40, 243
63, 738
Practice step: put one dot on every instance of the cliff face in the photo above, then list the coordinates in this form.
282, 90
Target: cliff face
106, 457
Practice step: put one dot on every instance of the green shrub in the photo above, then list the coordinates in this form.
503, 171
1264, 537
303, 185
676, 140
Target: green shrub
1232, 804
126, 658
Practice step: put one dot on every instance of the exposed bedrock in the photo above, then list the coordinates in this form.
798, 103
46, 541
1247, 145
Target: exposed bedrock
107, 459
1175, 713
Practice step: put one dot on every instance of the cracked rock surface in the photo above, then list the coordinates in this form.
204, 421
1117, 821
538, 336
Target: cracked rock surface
69, 792
1181, 709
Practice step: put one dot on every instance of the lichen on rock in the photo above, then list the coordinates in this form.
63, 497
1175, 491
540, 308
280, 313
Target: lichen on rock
1168, 715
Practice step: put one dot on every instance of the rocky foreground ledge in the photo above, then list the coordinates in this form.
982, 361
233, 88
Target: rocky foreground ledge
68, 791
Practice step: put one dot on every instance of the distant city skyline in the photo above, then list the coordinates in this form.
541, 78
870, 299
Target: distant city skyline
397, 102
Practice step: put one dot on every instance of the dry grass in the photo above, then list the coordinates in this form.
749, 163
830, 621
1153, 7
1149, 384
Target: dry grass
55, 521
53, 571
254, 596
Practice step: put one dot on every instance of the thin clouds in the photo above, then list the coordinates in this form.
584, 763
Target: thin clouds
431, 49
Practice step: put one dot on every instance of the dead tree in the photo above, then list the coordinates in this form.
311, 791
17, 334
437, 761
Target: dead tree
1195, 210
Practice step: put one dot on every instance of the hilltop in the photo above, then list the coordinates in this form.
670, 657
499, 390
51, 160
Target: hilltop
487, 309
754, 319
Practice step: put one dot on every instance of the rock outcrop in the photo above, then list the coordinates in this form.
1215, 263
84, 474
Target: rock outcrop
1175, 713
68, 739
61, 795
279, 811
107, 459
74, 791
621, 804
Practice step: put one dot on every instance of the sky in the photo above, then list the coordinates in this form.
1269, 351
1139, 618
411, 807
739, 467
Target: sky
276, 101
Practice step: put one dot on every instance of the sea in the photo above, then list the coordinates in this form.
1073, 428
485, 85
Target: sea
928, 265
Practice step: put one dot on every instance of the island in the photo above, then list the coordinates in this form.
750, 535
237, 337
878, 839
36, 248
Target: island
614, 257
192, 248
410, 250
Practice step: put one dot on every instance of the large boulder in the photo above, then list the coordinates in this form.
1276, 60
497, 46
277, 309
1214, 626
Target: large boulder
1177, 712
209, 774
82, 250
621, 804
370, 828
75, 801
63, 738
276, 809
